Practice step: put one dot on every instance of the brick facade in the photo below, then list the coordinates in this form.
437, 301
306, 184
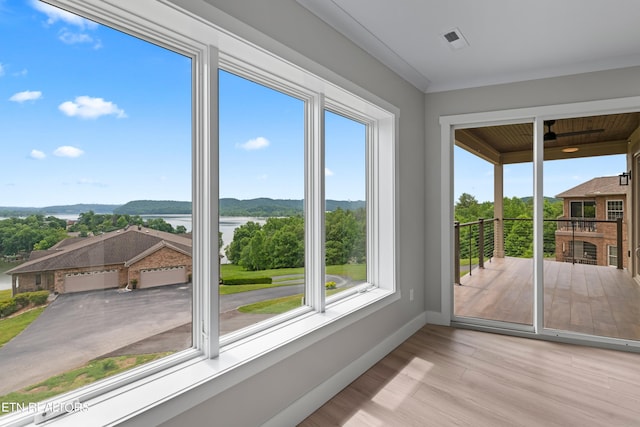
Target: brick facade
601, 235
165, 257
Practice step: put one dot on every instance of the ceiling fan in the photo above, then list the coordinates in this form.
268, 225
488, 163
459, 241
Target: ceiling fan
550, 135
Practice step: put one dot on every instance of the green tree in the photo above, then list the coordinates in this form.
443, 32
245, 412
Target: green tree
241, 238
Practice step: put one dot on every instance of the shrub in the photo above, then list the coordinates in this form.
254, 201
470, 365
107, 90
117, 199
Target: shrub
108, 365
22, 299
37, 298
248, 281
330, 285
8, 307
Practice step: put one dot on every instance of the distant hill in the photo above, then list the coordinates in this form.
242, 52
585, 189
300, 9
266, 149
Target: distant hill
278, 207
262, 207
53, 210
154, 207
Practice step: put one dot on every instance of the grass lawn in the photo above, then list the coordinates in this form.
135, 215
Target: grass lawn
11, 327
94, 371
273, 306
5, 295
234, 289
353, 271
230, 271
278, 305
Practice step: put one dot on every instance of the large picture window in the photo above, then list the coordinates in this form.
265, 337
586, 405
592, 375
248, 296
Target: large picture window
197, 163
95, 216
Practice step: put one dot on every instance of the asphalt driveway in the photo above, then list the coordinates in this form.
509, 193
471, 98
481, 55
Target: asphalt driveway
76, 328
79, 327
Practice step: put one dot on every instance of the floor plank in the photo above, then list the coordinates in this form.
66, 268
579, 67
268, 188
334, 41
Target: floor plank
443, 376
580, 298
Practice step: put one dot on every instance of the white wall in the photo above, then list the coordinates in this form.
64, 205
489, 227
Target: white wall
578, 88
299, 36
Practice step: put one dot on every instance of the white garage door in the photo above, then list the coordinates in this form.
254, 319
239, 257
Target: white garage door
91, 281
162, 276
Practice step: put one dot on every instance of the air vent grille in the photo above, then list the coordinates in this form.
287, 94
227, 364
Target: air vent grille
454, 38
451, 37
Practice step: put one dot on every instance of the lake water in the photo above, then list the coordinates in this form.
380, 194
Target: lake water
227, 226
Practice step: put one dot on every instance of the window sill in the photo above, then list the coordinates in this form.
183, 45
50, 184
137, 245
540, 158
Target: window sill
164, 395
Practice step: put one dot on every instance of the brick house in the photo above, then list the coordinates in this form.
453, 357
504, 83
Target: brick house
587, 232
134, 255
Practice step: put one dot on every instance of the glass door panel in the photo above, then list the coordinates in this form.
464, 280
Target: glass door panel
587, 286
493, 278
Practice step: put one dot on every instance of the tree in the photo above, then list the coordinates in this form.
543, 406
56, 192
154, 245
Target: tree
241, 238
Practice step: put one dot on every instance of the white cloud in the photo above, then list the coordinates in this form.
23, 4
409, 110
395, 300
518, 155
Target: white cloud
37, 154
21, 73
27, 95
87, 107
255, 144
68, 151
328, 172
69, 37
54, 15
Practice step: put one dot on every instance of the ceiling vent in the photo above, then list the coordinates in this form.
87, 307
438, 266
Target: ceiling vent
454, 39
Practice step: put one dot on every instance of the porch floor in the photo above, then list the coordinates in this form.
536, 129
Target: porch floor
581, 298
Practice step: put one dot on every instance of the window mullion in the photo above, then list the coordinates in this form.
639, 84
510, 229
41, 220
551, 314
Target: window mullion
205, 205
314, 205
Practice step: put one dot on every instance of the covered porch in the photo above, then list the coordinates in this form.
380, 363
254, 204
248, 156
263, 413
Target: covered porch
595, 300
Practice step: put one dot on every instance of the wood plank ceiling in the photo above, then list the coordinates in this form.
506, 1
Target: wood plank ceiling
592, 136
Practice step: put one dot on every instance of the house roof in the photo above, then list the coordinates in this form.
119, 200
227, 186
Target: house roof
602, 186
117, 247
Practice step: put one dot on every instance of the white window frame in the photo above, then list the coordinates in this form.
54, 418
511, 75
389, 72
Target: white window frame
615, 255
214, 364
621, 210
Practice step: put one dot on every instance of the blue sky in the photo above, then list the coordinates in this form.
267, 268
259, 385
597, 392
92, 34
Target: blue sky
90, 115
474, 176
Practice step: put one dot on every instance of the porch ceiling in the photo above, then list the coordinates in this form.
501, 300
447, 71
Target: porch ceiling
513, 143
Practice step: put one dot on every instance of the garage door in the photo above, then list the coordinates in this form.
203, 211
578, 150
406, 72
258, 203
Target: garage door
162, 276
91, 281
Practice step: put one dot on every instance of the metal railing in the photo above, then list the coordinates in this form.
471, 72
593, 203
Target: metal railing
474, 242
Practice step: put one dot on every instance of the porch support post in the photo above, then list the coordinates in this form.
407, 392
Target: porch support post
498, 211
619, 242
456, 251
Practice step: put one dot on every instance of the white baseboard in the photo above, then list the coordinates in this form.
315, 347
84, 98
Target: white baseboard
307, 404
437, 318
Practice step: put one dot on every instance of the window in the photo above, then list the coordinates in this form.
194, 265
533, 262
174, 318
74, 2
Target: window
191, 152
612, 252
583, 209
113, 172
615, 209
262, 176
346, 207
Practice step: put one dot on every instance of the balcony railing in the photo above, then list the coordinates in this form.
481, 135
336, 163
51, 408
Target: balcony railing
477, 241
581, 225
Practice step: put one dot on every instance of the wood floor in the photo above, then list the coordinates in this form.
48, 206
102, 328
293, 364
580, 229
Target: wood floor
454, 377
581, 298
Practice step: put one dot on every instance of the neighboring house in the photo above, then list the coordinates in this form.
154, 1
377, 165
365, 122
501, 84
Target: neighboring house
133, 255
582, 237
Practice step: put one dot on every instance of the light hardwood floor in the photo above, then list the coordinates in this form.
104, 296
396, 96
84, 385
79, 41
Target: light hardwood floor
454, 377
581, 298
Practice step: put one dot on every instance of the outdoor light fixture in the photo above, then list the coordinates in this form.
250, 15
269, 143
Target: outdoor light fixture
570, 149
624, 178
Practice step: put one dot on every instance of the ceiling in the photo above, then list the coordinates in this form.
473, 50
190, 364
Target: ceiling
508, 40
586, 136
